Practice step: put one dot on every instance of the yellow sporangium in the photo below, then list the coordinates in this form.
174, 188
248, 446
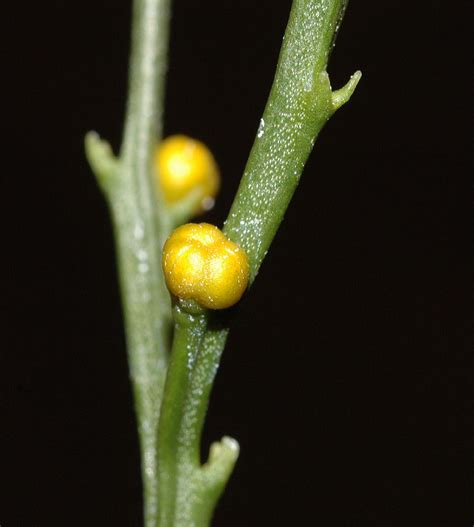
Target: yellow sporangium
201, 264
183, 165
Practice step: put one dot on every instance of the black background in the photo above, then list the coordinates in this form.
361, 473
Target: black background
347, 378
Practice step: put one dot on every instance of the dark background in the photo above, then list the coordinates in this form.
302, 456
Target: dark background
347, 378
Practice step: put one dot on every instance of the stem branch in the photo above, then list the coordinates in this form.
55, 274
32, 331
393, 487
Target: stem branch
300, 103
141, 225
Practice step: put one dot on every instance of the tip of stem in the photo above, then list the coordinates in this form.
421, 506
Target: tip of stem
341, 96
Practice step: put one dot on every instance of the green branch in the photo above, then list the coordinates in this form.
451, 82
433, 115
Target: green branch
180, 490
300, 103
189, 490
141, 224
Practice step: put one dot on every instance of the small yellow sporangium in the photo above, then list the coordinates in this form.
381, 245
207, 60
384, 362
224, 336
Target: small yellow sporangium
201, 264
183, 165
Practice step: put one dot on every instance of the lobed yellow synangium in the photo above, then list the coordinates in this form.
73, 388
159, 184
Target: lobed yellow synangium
201, 264
184, 165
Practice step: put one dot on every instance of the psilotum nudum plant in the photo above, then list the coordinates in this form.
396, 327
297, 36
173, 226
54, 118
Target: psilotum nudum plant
179, 280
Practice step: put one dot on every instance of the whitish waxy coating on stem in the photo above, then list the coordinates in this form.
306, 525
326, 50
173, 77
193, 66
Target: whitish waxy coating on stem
184, 165
201, 264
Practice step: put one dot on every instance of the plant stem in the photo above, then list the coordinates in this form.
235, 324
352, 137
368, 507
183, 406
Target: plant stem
141, 224
300, 103
188, 334
189, 490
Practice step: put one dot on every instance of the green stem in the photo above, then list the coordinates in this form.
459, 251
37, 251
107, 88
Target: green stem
300, 103
189, 490
141, 224
188, 335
